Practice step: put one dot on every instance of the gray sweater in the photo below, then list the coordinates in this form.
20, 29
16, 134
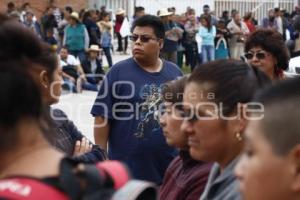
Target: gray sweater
222, 186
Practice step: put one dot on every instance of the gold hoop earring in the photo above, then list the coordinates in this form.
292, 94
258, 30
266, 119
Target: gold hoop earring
238, 136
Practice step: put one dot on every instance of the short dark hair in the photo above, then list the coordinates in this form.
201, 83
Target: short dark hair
139, 9
69, 9
276, 9
104, 14
280, 125
232, 82
65, 47
224, 13
234, 11
11, 5
151, 21
271, 41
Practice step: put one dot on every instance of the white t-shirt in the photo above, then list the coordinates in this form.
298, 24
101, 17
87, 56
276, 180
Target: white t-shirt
93, 66
71, 60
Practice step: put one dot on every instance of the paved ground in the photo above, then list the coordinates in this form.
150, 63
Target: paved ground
78, 106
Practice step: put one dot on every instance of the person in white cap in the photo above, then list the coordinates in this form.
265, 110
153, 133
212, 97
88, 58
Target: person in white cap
173, 34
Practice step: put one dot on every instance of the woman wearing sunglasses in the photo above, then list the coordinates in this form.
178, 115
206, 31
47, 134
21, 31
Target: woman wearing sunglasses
214, 101
266, 50
185, 178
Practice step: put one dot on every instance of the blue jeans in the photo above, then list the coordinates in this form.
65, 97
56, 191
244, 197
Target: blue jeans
208, 53
69, 85
89, 86
108, 55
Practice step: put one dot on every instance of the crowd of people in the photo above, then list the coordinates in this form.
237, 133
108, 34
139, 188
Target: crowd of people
207, 37
190, 39
228, 130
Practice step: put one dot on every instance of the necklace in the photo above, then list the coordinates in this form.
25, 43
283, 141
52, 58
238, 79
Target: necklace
158, 66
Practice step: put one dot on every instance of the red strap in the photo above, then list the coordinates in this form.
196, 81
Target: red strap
117, 171
25, 188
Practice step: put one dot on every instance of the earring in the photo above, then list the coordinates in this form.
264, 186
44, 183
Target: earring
238, 136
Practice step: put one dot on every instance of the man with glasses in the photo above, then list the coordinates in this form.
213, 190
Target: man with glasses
128, 101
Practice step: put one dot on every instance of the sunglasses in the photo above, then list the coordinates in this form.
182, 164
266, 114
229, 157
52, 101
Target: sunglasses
143, 38
259, 55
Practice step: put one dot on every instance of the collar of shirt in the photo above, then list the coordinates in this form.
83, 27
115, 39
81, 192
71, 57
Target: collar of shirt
187, 160
217, 177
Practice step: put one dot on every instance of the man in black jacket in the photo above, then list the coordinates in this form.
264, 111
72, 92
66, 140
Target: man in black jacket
92, 65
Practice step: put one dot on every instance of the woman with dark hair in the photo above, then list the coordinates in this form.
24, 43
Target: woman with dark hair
30, 167
66, 137
208, 33
266, 50
249, 22
106, 29
41, 62
24, 149
214, 102
185, 177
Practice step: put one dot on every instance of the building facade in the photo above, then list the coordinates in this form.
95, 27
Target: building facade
39, 6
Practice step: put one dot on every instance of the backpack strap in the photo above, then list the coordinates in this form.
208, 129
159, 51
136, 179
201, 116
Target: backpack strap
28, 188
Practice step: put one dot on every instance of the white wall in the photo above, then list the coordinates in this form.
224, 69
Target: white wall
152, 6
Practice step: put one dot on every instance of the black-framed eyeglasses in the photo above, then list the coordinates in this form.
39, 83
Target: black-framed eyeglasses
143, 38
258, 55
